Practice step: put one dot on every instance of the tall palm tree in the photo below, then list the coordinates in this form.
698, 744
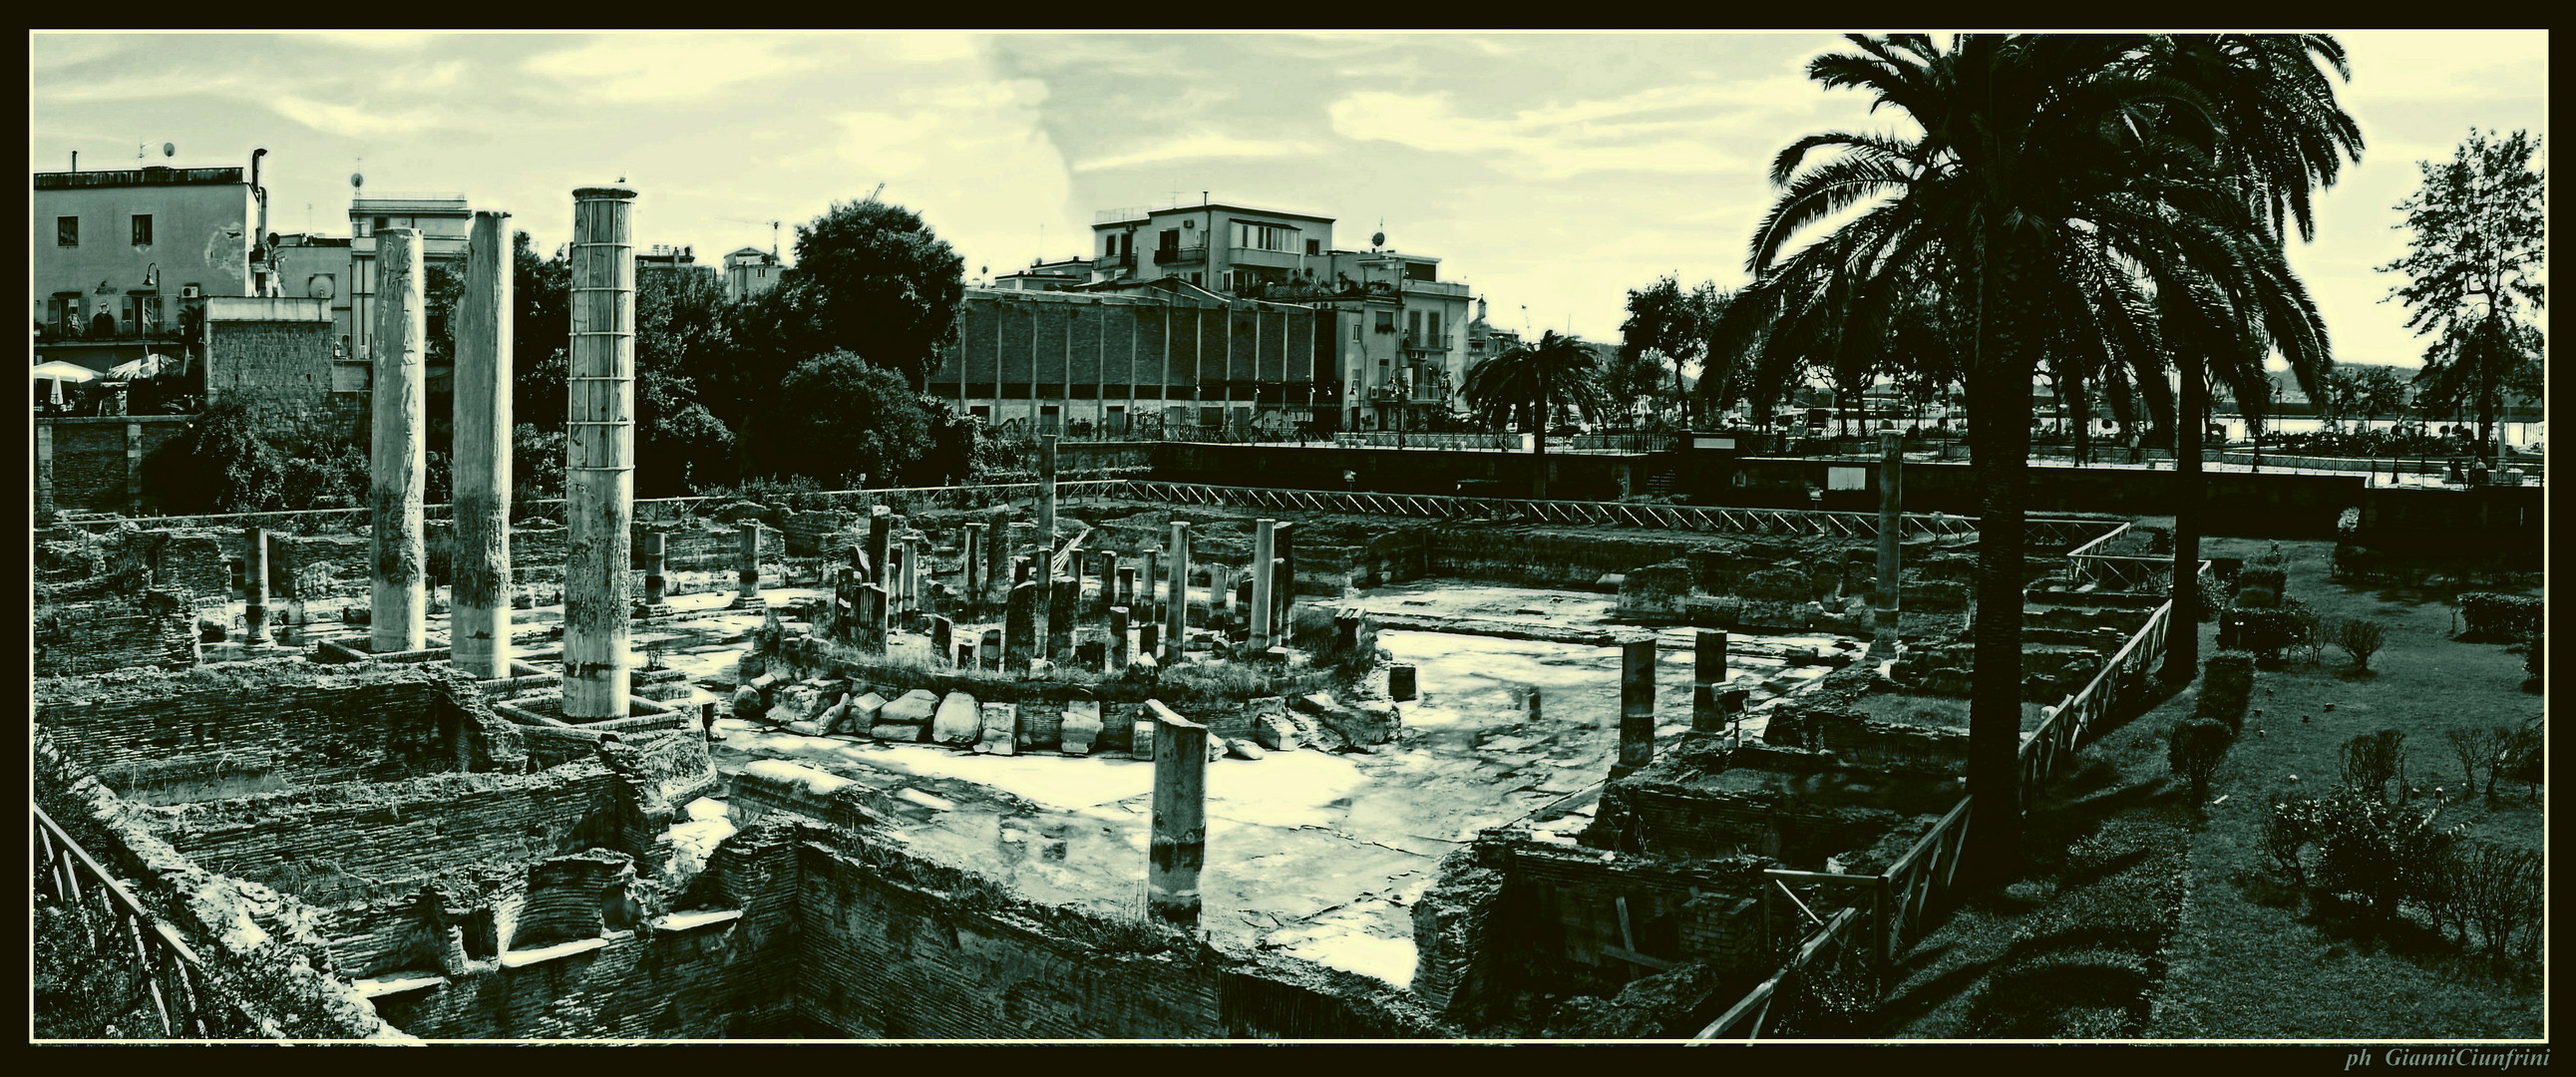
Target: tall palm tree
2282, 136
2027, 197
1534, 382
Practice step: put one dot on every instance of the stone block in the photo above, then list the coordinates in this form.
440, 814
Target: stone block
1001, 728
1277, 733
1243, 749
957, 720
897, 732
1402, 682
1142, 746
912, 708
1080, 731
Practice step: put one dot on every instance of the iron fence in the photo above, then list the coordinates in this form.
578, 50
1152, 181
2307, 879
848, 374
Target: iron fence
109, 919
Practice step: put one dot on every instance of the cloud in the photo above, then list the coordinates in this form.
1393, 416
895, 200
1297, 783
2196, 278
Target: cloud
1550, 143
377, 40
1204, 145
352, 121
632, 69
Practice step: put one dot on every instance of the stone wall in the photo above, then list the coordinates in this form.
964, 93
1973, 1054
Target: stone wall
89, 464
154, 630
161, 737
282, 369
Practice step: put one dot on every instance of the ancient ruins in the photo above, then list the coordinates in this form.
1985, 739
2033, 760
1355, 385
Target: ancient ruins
1063, 760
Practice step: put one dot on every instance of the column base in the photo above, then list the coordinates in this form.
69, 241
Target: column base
749, 602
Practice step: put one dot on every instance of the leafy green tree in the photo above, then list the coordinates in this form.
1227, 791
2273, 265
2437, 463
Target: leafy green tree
681, 331
1534, 383
837, 418
2376, 391
1633, 378
880, 283
2051, 173
540, 334
1665, 324
220, 463
2474, 267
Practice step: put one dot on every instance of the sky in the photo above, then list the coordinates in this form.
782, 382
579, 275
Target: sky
1550, 172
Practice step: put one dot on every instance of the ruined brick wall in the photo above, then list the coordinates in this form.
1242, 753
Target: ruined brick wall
349, 842
1540, 558
154, 630
1798, 819
151, 735
89, 461
882, 959
282, 369
649, 982
195, 563
1568, 916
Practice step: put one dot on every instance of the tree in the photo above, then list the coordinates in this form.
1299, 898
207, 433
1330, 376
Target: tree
220, 463
2360, 638
681, 331
2280, 134
540, 334
1667, 323
1534, 382
2195, 750
2050, 174
1632, 378
2474, 263
838, 417
2376, 391
880, 284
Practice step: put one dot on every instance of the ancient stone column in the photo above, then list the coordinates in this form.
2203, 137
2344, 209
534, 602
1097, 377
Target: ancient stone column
1220, 588
1264, 578
1636, 706
1176, 622
880, 544
747, 576
1109, 596
1117, 640
997, 564
657, 588
1024, 542
942, 638
1063, 595
1020, 626
1127, 595
255, 590
397, 604
478, 626
1179, 841
1145, 579
1046, 495
975, 569
873, 627
599, 455
1891, 472
1708, 676
1283, 593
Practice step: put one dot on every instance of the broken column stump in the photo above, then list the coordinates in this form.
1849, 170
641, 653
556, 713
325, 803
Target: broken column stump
1636, 706
1080, 731
1001, 729
1020, 627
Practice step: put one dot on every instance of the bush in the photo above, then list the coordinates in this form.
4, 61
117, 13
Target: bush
2477, 750
2226, 688
2488, 616
2519, 756
2532, 652
2360, 638
2307, 629
2499, 890
2266, 633
2371, 852
2372, 760
2195, 749
2288, 827
2267, 577
2355, 564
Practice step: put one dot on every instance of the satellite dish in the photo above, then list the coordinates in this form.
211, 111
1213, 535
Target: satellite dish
356, 180
169, 149
1377, 239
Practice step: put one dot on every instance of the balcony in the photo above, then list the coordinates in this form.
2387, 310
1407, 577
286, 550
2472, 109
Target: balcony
1164, 256
1425, 345
1108, 262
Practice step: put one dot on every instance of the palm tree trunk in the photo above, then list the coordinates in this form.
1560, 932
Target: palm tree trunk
1999, 450
2182, 637
1538, 450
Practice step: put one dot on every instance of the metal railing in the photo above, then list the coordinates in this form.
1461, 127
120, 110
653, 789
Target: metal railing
1169, 255
2116, 572
110, 919
1721, 520
1900, 896
955, 497
1479, 442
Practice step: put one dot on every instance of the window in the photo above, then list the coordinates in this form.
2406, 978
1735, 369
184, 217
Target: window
1264, 237
1386, 321
65, 309
1194, 279
142, 229
1436, 341
1171, 239
67, 231
141, 314
1413, 327
381, 223
1314, 246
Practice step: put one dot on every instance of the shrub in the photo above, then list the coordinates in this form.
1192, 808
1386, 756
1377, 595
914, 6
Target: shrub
2266, 633
2258, 598
2531, 656
2500, 892
2226, 688
2372, 760
2268, 577
2354, 563
2360, 638
2476, 749
2307, 629
2291, 824
2519, 757
2370, 851
2195, 749
2489, 616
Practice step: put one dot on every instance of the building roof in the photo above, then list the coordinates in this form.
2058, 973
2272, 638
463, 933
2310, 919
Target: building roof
1111, 218
147, 176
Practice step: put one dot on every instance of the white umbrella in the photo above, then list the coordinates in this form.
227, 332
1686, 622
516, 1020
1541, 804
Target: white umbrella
150, 366
58, 370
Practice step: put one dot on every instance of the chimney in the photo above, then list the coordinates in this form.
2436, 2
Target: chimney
75, 160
